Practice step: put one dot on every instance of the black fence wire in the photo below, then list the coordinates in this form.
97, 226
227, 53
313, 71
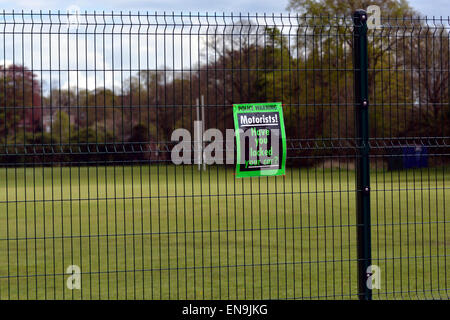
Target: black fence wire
93, 207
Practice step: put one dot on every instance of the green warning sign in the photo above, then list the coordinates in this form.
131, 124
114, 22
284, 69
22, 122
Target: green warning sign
260, 139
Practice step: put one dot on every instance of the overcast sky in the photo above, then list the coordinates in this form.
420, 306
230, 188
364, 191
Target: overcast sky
58, 52
425, 7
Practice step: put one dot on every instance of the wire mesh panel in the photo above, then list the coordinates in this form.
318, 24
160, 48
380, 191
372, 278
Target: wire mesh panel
93, 207
409, 92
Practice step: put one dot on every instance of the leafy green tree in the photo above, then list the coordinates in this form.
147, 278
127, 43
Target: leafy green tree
325, 42
60, 127
330, 9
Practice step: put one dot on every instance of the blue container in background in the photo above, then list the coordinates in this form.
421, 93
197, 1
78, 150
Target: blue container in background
415, 157
407, 157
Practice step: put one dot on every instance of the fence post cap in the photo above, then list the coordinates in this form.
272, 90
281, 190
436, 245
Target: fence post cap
359, 16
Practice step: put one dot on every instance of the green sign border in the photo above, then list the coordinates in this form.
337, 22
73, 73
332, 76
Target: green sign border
275, 172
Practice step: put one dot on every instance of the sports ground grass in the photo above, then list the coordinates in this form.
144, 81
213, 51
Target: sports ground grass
167, 232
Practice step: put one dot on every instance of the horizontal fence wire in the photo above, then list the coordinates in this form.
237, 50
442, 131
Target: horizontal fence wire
410, 103
88, 105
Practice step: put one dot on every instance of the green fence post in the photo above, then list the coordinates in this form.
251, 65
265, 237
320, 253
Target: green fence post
360, 65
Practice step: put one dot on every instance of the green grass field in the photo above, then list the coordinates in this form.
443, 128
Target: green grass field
166, 232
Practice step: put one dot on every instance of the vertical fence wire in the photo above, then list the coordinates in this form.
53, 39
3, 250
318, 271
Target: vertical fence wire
409, 87
89, 103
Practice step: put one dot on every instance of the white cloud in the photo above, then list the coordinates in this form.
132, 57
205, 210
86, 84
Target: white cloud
89, 56
435, 8
243, 6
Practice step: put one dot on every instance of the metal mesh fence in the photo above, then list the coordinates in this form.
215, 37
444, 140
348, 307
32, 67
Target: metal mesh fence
409, 93
89, 102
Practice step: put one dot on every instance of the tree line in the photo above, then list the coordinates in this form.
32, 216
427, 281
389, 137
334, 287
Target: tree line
309, 69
